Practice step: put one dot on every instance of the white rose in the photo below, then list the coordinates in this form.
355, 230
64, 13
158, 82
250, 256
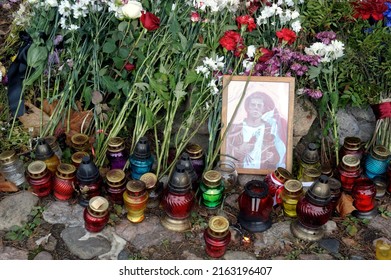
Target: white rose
132, 10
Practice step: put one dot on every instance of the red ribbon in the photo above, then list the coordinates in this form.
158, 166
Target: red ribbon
382, 110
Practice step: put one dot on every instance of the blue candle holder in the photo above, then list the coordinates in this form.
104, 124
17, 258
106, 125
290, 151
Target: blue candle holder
141, 160
377, 161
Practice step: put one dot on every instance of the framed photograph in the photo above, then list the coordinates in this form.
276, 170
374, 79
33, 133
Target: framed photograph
257, 119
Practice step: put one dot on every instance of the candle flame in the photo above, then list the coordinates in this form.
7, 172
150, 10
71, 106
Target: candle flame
246, 239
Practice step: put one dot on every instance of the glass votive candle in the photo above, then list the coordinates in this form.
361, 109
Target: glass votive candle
211, 189
381, 185
40, 178
80, 142
290, 195
12, 168
364, 193
116, 153
383, 249
276, 180
197, 157
377, 161
115, 185
96, 214
348, 171
135, 199
217, 236
229, 174
64, 181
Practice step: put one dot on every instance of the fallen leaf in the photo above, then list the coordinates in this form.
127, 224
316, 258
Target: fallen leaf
32, 119
8, 186
345, 205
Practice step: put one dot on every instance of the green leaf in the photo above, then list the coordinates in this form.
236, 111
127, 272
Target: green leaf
109, 47
35, 75
191, 77
314, 72
123, 26
123, 52
179, 92
183, 41
352, 230
36, 55
87, 95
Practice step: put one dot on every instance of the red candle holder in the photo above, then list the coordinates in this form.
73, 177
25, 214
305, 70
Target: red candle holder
115, 185
217, 236
178, 200
276, 180
349, 170
40, 178
255, 206
313, 211
96, 214
364, 194
64, 181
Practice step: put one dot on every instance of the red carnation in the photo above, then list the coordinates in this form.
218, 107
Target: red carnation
149, 21
265, 54
365, 9
244, 21
286, 35
231, 40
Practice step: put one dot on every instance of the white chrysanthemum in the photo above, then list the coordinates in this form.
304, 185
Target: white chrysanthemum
73, 27
64, 8
251, 51
289, 3
316, 49
202, 70
248, 65
338, 48
295, 14
79, 10
296, 26
213, 87
52, 3
220, 62
210, 63
285, 16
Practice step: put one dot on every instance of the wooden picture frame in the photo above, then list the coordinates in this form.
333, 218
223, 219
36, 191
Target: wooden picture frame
257, 122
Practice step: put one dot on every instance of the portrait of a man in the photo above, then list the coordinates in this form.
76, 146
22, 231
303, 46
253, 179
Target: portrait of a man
257, 136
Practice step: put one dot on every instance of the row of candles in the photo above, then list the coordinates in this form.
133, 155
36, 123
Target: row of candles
311, 198
47, 174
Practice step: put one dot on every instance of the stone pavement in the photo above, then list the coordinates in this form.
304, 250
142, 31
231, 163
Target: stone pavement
146, 237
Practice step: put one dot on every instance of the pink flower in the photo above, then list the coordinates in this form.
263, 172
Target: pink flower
195, 17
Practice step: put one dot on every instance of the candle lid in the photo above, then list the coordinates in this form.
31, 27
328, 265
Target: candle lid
149, 179
37, 169
7, 157
98, 204
115, 144
51, 140
66, 171
352, 143
78, 156
43, 150
310, 154
79, 139
319, 193
282, 174
135, 186
380, 152
334, 184
312, 173
212, 178
87, 172
142, 149
351, 162
180, 180
194, 150
115, 176
218, 224
293, 185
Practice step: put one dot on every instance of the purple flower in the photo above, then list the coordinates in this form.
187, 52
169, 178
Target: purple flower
57, 40
314, 93
4, 81
326, 36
